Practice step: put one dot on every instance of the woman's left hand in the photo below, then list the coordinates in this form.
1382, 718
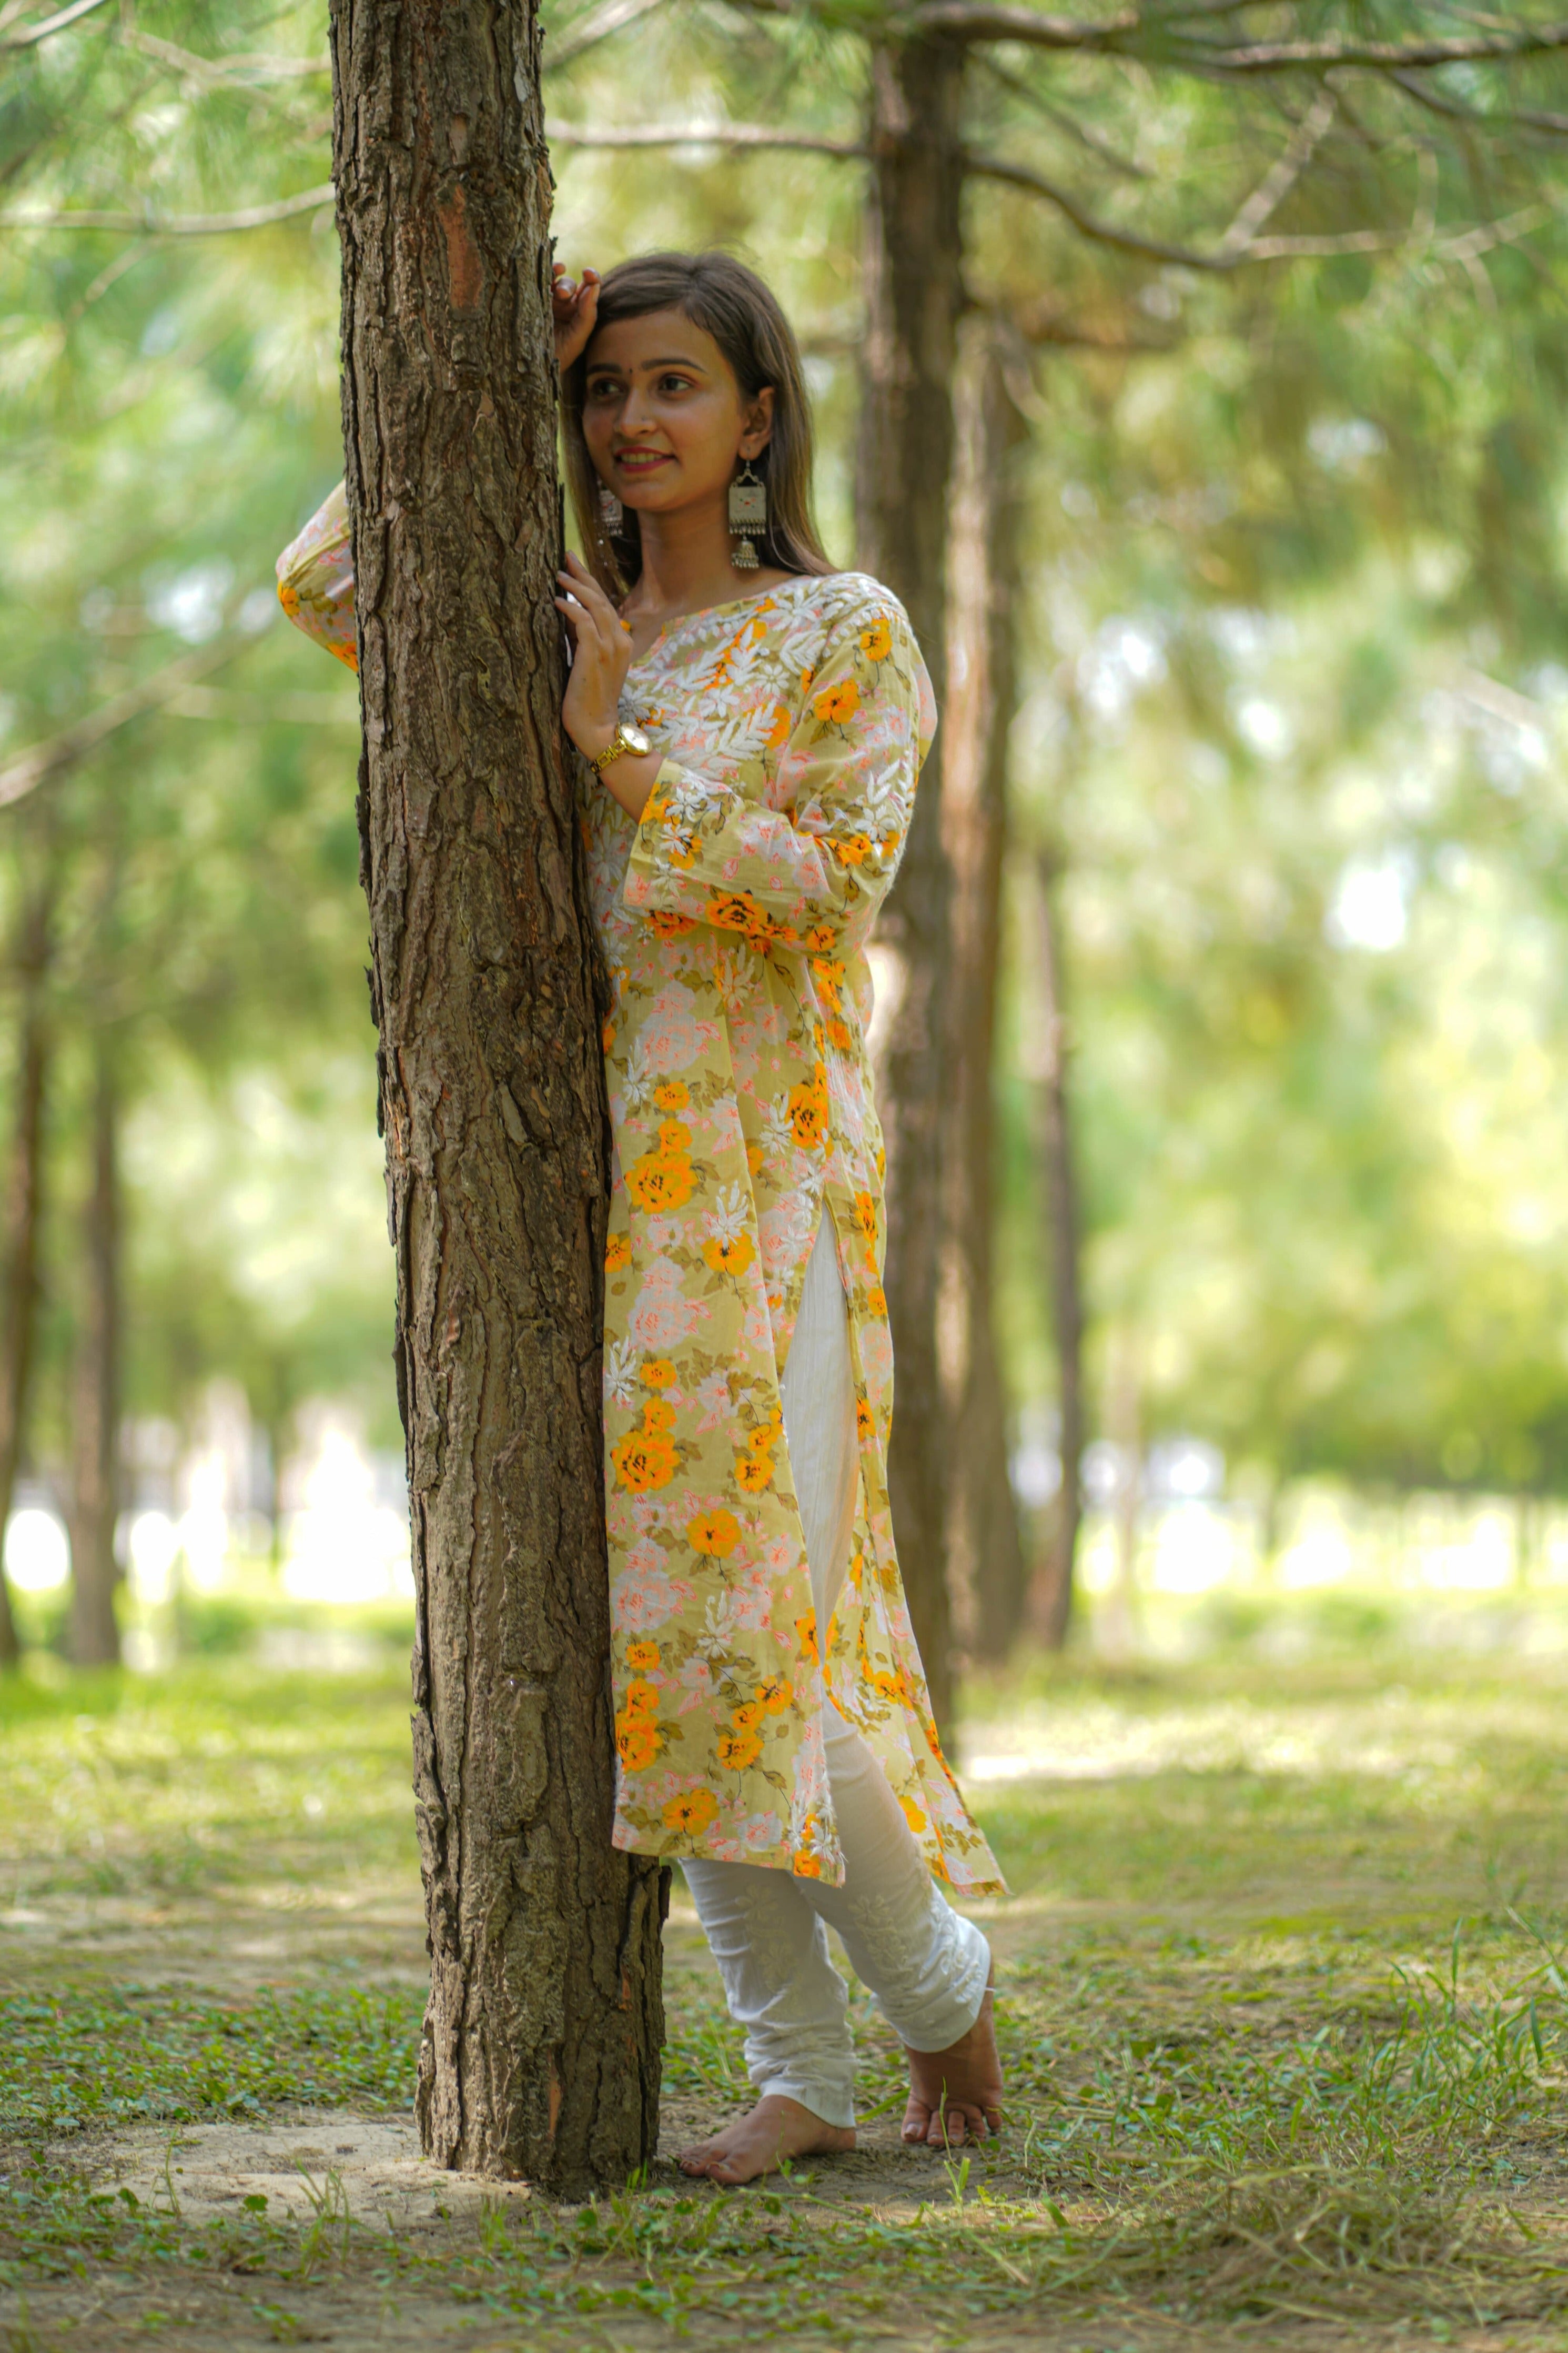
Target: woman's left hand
601, 657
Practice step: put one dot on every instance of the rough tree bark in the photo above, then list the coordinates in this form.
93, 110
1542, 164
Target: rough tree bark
914, 294
25, 1210
1064, 1257
985, 1549
541, 2047
94, 1402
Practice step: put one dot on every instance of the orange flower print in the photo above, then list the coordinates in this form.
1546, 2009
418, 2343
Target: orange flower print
865, 1215
808, 1111
733, 910
829, 971
656, 1185
876, 642
853, 849
753, 1473
806, 1866
670, 927
747, 1716
618, 1253
805, 1633
658, 1373
636, 1743
835, 705
692, 1811
913, 1815
805, 678
672, 1094
739, 1749
288, 597
641, 1656
865, 1421
778, 734
663, 1179
775, 1692
642, 1700
820, 938
876, 1301
606, 1035
754, 1159
728, 1255
645, 1459
839, 1035
717, 1533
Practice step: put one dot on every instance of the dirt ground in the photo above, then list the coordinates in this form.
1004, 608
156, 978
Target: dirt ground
1199, 1924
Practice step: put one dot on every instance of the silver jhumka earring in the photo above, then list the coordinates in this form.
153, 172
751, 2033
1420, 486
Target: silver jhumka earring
611, 514
748, 516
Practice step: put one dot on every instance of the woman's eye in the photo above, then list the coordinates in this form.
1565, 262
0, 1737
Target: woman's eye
675, 383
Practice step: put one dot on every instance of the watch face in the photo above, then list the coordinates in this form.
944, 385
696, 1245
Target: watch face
633, 738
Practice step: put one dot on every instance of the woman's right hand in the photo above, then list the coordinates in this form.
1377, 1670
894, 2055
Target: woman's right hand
575, 306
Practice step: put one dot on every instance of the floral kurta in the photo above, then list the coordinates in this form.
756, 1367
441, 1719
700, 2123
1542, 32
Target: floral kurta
734, 916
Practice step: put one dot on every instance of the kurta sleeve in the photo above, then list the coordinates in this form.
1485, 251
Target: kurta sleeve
846, 771
316, 580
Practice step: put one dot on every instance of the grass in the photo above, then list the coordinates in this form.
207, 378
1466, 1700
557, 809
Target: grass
1283, 2001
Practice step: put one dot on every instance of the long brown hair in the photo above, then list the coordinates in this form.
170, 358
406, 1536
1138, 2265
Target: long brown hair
731, 303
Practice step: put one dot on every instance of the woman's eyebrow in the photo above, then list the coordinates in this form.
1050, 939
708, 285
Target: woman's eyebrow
613, 367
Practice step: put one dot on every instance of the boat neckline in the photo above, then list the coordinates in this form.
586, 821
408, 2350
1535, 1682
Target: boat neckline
731, 604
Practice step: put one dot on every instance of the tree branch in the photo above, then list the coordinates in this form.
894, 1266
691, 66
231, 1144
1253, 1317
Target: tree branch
150, 224
703, 134
31, 34
967, 20
1449, 110
597, 26
1322, 56
41, 762
1219, 262
248, 71
1277, 183
971, 20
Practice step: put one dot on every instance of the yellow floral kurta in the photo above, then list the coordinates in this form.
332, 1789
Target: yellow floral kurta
734, 916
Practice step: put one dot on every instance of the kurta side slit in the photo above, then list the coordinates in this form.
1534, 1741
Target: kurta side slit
925, 1964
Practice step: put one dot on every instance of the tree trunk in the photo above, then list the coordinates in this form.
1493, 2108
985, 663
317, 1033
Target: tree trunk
985, 1548
1119, 1633
24, 1221
1064, 1257
541, 2035
95, 1413
914, 295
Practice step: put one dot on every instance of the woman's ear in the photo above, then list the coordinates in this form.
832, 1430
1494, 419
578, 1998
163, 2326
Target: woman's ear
759, 424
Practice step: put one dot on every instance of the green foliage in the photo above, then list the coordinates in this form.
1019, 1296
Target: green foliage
136, 2053
1290, 648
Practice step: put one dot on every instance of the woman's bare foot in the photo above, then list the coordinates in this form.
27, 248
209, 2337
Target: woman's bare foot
774, 2133
955, 2094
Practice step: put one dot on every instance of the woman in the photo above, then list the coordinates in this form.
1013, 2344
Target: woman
754, 724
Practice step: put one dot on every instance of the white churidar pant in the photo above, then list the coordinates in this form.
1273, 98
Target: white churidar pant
925, 1964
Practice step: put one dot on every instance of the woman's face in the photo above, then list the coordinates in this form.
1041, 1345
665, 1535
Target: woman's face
663, 416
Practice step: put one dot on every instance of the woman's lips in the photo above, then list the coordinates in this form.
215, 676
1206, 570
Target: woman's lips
640, 461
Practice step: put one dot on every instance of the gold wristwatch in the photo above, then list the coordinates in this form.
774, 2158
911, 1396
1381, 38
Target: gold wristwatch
625, 739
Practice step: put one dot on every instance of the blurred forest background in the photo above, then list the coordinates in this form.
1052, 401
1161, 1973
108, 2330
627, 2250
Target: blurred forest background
1256, 708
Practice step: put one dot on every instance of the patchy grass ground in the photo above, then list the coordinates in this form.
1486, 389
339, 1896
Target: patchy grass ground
1281, 1995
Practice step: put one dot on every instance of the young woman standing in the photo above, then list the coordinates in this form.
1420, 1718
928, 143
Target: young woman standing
756, 723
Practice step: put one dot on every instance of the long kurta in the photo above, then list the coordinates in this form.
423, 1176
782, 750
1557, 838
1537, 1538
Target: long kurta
734, 916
